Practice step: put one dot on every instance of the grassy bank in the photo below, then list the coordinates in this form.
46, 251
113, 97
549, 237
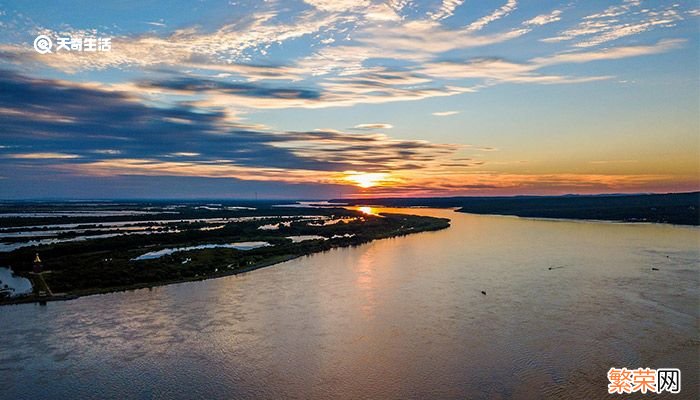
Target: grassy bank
107, 265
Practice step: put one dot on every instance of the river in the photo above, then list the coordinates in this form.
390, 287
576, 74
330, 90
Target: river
396, 318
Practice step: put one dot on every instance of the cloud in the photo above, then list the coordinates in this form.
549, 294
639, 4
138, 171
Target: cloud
377, 86
445, 113
616, 11
499, 13
203, 85
363, 8
446, 9
485, 183
149, 139
544, 19
617, 22
499, 71
483, 148
339, 6
179, 106
494, 70
613, 53
185, 154
419, 39
234, 42
346, 81
381, 12
43, 156
613, 161
374, 126
367, 62
111, 152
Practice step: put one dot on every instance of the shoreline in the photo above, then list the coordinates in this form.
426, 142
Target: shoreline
263, 264
569, 219
33, 298
84, 293
661, 208
550, 219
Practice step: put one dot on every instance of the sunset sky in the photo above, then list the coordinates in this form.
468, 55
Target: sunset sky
331, 98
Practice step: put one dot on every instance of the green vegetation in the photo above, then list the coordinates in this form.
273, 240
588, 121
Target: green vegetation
107, 264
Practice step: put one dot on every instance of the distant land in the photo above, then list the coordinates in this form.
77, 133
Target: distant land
671, 208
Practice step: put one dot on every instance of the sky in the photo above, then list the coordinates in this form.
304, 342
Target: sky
336, 98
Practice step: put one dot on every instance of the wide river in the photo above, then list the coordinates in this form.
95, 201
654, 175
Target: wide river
396, 318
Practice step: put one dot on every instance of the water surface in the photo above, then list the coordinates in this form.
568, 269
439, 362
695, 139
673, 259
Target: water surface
12, 284
396, 318
238, 246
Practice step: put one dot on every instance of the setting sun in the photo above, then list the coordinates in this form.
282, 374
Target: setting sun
366, 179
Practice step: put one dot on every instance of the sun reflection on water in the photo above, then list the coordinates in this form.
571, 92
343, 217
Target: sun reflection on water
366, 210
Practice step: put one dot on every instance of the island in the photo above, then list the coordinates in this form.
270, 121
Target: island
71, 250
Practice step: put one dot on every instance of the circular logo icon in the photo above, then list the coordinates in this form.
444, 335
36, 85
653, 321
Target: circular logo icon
43, 44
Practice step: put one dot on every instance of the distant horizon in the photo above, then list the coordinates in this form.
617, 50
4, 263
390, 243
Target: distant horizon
297, 199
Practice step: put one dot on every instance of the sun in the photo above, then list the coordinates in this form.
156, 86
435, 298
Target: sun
365, 179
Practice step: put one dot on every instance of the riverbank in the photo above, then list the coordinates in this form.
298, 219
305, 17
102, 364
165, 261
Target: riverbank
103, 263
64, 297
669, 208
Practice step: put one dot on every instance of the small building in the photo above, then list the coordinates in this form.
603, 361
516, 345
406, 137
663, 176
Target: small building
38, 266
